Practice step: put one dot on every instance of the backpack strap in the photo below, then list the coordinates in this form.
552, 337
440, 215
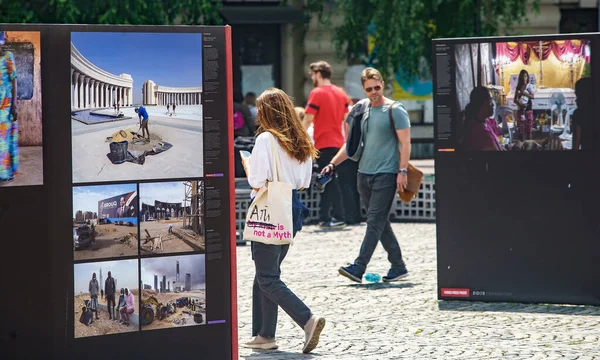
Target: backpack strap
392, 126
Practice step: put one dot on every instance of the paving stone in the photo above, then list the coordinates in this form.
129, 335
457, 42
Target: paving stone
404, 320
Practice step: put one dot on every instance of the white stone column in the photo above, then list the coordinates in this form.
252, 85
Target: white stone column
102, 94
88, 100
97, 94
92, 95
130, 96
79, 91
71, 83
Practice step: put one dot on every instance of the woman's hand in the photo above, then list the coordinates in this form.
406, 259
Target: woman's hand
402, 181
246, 165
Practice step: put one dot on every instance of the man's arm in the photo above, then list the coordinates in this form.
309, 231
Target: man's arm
405, 147
308, 119
339, 158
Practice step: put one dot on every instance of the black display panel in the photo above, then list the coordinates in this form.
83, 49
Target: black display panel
515, 174
136, 136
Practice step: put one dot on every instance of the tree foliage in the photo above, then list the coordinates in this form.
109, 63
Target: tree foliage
128, 12
403, 29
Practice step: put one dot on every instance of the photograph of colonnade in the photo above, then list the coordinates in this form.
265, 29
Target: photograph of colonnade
136, 108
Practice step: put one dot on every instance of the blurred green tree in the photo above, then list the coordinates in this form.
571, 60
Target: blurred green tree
129, 12
403, 29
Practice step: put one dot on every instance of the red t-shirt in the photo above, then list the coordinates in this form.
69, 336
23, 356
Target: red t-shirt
328, 104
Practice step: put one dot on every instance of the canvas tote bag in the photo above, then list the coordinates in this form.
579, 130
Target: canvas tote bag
269, 219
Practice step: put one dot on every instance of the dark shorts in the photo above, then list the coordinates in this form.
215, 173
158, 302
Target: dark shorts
110, 299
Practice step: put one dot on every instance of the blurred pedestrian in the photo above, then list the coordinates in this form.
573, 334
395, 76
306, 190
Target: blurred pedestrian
327, 109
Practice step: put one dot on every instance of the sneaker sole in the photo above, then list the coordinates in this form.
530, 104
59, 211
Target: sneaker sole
395, 279
349, 276
314, 337
265, 346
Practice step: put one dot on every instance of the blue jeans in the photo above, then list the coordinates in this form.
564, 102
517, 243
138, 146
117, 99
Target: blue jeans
268, 290
378, 193
94, 305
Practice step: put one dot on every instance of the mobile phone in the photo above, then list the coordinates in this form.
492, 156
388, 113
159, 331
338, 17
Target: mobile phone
322, 180
245, 154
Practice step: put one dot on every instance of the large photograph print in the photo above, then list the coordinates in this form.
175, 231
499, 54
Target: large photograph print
524, 95
21, 159
105, 219
174, 292
136, 113
171, 217
106, 298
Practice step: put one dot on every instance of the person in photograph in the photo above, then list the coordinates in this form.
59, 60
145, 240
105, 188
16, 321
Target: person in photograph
278, 122
128, 308
87, 315
124, 210
110, 286
479, 134
143, 115
121, 304
585, 128
94, 289
174, 113
168, 108
9, 146
524, 94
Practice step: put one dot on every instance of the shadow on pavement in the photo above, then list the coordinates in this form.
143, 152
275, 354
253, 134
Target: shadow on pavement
277, 354
382, 285
586, 310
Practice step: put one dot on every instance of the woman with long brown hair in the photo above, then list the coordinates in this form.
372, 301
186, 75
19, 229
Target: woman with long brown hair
278, 121
524, 95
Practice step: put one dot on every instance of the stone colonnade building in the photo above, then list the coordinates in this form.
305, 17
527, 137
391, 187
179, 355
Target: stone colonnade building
92, 87
163, 95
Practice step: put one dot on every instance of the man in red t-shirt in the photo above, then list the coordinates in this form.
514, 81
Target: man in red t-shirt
327, 109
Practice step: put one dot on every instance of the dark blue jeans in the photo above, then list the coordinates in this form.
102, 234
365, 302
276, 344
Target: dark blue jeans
378, 193
268, 290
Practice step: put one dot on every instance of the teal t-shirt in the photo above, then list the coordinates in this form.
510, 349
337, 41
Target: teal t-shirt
380, 153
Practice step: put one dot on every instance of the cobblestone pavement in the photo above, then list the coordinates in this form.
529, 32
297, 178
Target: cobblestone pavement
404, 320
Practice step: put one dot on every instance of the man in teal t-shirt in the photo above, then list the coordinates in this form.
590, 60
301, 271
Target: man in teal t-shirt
382, 169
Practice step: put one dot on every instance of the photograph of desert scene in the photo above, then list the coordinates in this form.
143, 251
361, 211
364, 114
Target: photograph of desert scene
174, 292
106, 298
136, 117
105, 219
171, 217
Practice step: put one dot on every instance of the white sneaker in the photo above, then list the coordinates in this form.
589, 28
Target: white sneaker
312, 330
262, 343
